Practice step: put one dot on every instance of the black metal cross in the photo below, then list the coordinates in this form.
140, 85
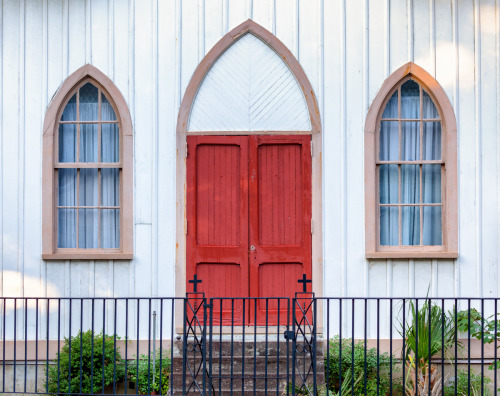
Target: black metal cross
304, 282
195, 280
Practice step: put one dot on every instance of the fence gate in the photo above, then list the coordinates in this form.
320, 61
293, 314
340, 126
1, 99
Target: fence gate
251, 358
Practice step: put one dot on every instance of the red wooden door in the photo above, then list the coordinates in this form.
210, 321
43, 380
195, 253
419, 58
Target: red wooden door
249, 220
280, 219
217, 214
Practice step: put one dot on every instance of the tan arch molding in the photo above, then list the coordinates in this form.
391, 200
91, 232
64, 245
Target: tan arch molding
449, 152
433, 88
49, 217
87, 71
222, 45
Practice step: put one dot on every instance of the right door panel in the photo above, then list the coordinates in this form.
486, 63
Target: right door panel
279, 218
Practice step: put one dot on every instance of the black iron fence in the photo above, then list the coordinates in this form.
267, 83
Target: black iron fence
223, 346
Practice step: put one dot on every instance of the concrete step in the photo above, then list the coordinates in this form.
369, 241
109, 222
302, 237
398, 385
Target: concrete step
247, 358
248, 348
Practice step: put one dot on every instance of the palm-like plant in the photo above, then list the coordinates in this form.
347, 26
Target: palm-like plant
428, 332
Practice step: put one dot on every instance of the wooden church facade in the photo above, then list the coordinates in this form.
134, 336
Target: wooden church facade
247, 143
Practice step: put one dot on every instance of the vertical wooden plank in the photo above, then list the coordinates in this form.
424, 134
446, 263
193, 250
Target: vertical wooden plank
398, 34
76, 31
445, 74
331, 161
1, 144
33, 117
423, 278
488, 149
354, 169
285, 24
237, 12
213, 23
100, 35
376, 42
445, 275
421, 34
10, 143
121, 48
190, 41
144, 89
166, 146
263, 13
466, 145
54, 50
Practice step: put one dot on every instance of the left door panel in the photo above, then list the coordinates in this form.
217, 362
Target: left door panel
217, 220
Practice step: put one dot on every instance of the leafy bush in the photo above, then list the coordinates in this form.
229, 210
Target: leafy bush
481, 329
146, 373
332, 369
462, 381
90, 370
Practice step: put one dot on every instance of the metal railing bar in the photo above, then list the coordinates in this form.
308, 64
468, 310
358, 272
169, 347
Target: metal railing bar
81, 344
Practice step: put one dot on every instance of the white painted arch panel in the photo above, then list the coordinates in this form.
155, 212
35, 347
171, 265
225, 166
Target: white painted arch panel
249, 88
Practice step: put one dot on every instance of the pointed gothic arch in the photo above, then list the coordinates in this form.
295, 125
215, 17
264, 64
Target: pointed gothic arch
313, 129
448, 248
108, 91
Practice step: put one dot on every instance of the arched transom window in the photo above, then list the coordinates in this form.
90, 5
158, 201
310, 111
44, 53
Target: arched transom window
88, 174
415, 170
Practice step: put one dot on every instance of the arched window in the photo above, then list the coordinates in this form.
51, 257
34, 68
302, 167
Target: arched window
87, 171
410, 169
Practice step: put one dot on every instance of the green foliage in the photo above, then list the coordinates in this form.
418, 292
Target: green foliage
463, 384
479, 325
430, 322
357, 377
146, 373
91, 365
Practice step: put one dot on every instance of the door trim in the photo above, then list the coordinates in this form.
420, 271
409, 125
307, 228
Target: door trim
316, 164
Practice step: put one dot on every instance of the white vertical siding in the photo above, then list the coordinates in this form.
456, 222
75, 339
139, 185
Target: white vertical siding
151, 48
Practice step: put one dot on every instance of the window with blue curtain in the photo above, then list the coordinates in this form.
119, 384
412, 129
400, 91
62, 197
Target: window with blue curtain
410, 169
88, 171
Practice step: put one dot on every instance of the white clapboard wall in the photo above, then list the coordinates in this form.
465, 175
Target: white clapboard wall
150, 49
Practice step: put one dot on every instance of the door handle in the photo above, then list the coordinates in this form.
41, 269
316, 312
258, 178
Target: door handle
252, 248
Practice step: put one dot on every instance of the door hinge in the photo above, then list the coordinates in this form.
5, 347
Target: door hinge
311, 148
186, 151
312, 226
186, 226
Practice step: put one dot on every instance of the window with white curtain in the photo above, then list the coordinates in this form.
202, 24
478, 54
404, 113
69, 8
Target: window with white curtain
88, 171
410, 169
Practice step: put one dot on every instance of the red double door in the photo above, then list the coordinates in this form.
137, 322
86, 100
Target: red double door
249, 222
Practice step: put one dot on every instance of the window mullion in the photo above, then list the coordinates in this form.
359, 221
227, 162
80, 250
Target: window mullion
400, 231
99, 202
77, 207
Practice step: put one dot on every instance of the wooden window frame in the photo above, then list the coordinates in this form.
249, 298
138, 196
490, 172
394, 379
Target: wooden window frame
50, 251
449, 247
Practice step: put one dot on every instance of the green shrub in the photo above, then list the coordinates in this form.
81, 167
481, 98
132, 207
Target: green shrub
146, 373
91, 365
357, 377
463, 384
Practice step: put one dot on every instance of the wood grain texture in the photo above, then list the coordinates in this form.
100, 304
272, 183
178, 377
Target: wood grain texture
249, 88
327, 38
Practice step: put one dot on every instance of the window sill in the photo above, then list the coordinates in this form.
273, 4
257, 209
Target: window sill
87, 256
410, 255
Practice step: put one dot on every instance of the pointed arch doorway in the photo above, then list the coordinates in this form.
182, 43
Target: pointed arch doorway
246, 127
